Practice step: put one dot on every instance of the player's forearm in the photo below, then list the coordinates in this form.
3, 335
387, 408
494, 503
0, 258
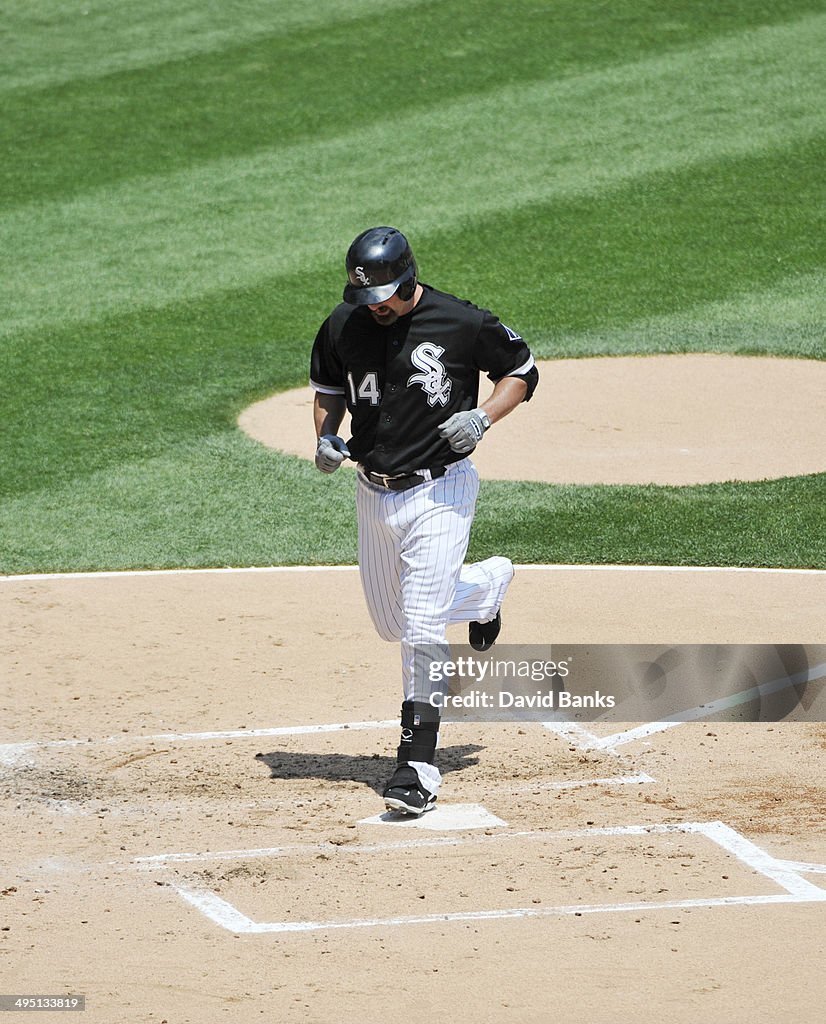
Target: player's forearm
328, 412
506, 395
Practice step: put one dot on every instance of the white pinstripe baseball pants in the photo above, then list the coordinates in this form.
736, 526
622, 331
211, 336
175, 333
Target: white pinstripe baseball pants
411, 548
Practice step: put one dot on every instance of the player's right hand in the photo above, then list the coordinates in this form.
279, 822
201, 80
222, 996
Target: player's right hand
330, 453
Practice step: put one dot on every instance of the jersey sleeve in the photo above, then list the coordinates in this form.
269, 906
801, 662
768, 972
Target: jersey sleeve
501, 352
326, 371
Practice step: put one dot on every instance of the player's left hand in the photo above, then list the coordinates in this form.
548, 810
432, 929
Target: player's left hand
464, 430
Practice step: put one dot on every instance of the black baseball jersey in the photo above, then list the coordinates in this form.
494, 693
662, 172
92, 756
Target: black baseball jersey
402, 380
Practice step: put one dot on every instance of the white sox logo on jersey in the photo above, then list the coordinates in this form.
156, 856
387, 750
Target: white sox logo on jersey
434, 379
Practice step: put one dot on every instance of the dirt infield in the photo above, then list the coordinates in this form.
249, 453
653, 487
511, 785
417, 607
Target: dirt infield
671, 419
176, 858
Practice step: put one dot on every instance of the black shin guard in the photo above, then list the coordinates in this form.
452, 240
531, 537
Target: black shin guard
420, 731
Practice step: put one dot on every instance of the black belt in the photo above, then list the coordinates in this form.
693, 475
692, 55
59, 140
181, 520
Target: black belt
404, 482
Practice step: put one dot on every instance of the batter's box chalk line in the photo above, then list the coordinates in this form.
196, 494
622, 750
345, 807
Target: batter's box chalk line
582, 738
786, 875
22, 753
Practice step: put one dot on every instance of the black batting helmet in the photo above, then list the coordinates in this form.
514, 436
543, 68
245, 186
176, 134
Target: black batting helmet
379, 263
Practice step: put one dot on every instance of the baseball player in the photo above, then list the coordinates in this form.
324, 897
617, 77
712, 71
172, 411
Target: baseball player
405, 359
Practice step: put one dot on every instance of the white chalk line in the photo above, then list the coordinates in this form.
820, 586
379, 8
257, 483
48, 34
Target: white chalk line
228, 917
12, 753
640, 778
527, 567
586, 740
303, 849
803, 867
797, 889
110, 574
293, 849
758, 859
580, 737
573, 732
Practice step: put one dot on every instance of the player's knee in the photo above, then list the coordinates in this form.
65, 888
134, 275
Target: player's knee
388, 631
427, 634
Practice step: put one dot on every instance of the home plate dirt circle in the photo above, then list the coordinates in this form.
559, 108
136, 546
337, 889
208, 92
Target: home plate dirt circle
190, 770
670, 419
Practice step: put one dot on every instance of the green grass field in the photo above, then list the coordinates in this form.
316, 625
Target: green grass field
179, 184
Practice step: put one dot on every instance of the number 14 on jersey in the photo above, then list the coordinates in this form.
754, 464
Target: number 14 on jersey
368, 390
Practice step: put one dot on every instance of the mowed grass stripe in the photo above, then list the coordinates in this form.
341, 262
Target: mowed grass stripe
229, 223
168, 512
788, 318
654, 247
773, 522
53, 41
323, 80
641, 264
